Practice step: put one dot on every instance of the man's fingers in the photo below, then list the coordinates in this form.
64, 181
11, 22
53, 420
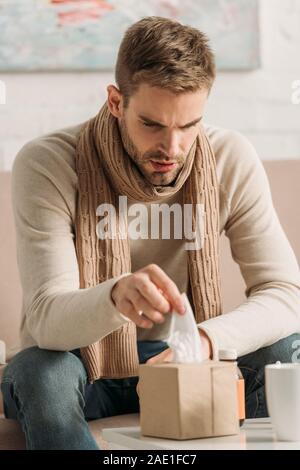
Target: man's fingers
152, 294
164, 356
149, 291
169, 288
140, 303
130, 311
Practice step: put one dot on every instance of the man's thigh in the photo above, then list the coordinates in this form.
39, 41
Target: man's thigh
111, 397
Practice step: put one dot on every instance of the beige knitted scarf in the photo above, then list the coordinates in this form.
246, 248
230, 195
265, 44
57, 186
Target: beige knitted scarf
105, 171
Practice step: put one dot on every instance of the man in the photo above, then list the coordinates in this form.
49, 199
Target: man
148, 144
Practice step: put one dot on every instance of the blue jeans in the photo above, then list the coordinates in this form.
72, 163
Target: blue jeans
48, 393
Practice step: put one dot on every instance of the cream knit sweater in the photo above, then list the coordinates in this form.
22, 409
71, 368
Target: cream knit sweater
59, 316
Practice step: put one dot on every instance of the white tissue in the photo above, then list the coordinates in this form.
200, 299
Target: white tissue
2, 353
184, 338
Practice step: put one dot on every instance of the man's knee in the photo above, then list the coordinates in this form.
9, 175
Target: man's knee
253, 365
36, 369
284, 350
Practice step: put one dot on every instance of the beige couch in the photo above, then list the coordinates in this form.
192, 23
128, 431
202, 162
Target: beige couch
285, 184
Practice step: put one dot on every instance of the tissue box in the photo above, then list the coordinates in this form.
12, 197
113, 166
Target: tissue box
188, 401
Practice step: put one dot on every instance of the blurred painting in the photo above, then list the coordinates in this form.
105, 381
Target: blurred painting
70, 35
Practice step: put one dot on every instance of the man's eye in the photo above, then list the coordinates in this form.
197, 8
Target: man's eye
190, 127
147, 124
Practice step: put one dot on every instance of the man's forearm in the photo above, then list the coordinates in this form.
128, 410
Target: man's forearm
68, 320
268, 315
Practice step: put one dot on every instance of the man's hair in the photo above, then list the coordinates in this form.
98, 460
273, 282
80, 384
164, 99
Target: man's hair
164, 53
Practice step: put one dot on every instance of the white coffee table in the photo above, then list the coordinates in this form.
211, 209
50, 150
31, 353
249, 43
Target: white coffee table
255, 434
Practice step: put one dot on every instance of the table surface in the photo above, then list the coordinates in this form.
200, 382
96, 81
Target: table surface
254, 434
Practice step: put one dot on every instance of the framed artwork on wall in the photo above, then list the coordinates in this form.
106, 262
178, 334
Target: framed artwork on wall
84, 35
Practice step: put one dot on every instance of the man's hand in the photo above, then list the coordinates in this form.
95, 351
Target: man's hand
167, 354
146, 296
164, 356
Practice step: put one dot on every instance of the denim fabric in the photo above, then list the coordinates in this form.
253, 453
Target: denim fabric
252, 367
48, 393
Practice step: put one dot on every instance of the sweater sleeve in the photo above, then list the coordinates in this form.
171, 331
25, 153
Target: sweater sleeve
264, 255
58, 315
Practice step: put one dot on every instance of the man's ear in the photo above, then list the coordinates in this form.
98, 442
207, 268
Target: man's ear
115, 101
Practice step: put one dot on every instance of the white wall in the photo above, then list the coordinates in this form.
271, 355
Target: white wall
258, 103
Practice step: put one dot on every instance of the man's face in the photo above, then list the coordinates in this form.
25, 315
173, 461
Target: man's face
159, 127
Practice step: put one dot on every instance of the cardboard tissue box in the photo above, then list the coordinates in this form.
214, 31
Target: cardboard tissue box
188, 398
188, 401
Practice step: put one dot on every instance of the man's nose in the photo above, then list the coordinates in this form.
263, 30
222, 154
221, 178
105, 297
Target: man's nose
171, 145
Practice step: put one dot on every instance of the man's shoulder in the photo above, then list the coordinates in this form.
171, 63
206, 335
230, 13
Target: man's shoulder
46, 165
234, 153
50, 150
240, 171
229, 144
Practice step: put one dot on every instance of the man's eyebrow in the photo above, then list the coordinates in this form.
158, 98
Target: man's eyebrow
156, 123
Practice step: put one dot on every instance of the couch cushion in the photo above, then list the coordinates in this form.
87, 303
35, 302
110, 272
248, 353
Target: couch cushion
11, 435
